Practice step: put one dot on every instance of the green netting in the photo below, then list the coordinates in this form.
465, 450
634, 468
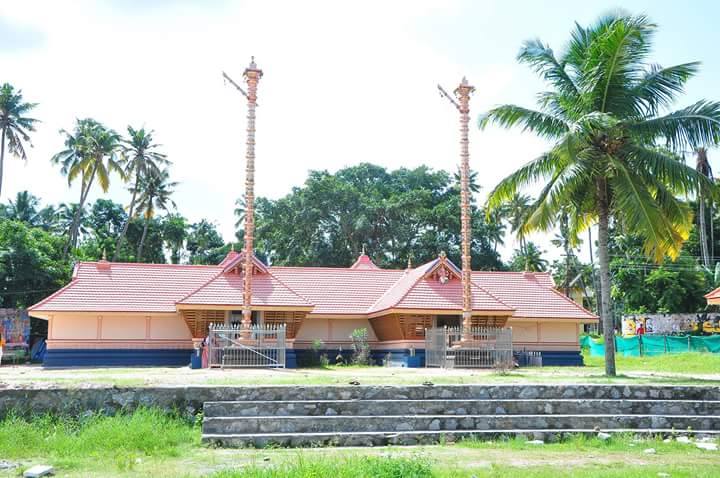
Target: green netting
596, 349
628, 346
705, 344
677, 344
653, 345
585, 341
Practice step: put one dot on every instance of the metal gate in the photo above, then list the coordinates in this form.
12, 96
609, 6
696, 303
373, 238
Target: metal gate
478, 347
235, 346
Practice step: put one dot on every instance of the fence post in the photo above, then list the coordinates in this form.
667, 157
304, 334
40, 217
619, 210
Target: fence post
688, 343
665, 342
640, 344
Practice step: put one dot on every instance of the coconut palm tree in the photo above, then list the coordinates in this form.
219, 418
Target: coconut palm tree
65, 220
155, 191
91, 152
529, 259
15, 126
141, 159
515, 210
23, 208
702, 166
615, 153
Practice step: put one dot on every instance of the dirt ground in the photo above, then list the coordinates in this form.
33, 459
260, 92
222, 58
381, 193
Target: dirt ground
35, 376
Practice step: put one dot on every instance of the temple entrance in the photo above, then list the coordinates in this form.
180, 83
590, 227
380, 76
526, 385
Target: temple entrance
234, 346
477, 347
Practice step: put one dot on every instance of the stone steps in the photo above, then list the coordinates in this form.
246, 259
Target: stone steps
422, 437
349, 416
404, 423
457, 407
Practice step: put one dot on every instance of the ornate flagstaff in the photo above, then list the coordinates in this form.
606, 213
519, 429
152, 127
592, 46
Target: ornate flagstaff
462, 93
252, 76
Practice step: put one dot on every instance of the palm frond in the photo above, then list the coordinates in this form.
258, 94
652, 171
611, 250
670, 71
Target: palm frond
659, 86
542, 59
688, 128
543, 124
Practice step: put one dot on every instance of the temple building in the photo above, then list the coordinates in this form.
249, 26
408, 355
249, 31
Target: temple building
148, 314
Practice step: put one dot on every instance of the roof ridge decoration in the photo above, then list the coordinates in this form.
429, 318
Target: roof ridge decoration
443, 269
364, 262
236, 263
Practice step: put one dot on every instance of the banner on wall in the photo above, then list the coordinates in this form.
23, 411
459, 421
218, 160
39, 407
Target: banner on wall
671, 324
15, 327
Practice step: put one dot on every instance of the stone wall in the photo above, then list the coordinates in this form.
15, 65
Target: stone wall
191, 399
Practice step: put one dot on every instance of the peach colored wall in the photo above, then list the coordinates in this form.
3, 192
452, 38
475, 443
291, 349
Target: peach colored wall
558, 332
115, 330
524, 332
124, 327
171, 327
68, 327
336, 330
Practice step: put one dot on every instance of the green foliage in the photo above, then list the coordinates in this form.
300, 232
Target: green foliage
204, 244
644, 287
346, 467
119, 439
528, 259
15, 125
31, 264
396, 215
360, 346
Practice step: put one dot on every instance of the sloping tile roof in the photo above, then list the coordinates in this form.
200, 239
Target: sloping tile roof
532, 295
338, 290
415, 291
126, 287
227, 289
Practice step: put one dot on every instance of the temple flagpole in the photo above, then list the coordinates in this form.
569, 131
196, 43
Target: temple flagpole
462, 93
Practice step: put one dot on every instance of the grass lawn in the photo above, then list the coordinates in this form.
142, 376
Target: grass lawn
150, 443
687, 368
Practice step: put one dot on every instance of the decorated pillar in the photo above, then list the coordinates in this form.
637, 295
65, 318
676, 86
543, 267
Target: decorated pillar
252, 76
462, 92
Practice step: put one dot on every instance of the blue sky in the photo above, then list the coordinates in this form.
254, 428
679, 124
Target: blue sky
344, 82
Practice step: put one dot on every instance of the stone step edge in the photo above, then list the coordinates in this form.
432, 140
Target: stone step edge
457, 400
495, 415
516, 431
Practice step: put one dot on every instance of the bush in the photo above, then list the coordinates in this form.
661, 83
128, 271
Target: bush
361, 347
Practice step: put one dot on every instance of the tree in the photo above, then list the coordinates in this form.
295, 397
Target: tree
175, 232
90, 152
31, 264
395, 215
15, 126
66, 217
615, 155
515, 211
204, 243
528, 259
155, 191
142, 160
23, 209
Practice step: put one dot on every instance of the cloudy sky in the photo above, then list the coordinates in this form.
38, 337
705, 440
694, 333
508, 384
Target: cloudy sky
344, 82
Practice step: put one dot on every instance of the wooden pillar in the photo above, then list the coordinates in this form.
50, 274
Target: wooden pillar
252, 76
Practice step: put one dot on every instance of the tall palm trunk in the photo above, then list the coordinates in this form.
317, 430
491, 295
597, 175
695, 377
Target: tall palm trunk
2, 157
596, 287
131, 211
604, 260
84, 191
703, 232
142, 240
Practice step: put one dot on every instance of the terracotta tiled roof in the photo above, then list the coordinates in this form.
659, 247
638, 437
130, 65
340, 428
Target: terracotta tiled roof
416, 291
338, 290
532, 295
126, 287
227, 289
122, 287
714, 294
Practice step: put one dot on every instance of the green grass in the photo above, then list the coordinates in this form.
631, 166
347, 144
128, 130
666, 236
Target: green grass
122, 439
684, 363
149, 442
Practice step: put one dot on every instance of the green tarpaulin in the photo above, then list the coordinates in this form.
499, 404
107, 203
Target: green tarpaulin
654, 345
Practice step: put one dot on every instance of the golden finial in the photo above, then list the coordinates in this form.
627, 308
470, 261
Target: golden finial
104, 256
442, 255
363, 249
232, 247
409, 265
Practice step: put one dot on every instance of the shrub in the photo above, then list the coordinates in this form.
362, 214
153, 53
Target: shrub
361, 347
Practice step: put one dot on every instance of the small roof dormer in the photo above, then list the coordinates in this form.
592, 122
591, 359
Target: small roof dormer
364, 262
